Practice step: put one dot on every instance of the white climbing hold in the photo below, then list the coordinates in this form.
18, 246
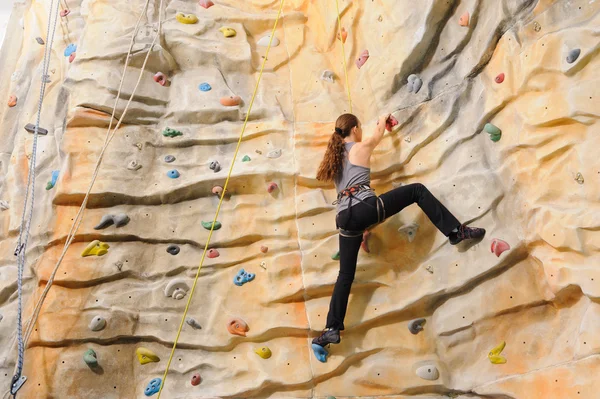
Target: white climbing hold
328, 76
414, 83
407, 139
410, 230
176, 289
429, 373
97, 324
264, 41
429, 268
134, 165
4, 205
274, 153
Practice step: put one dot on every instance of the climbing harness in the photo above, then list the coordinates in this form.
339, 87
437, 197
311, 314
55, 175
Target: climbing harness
237, 148
350, 192
337, 6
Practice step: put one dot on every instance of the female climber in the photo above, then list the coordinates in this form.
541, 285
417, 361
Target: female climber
347, 163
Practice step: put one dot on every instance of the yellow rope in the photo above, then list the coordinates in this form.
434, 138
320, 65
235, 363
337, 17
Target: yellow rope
189, 301
337, 5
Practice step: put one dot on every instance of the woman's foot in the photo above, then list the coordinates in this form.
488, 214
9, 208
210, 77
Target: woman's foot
329, 336
464, 233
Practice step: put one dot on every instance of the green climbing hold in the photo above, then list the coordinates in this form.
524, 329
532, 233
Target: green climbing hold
331, 397
494, 132
168, 132
246, 158
207, 225
90, 358
336, 256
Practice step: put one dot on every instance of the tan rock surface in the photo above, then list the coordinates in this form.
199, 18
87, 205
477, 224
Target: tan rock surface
540, 297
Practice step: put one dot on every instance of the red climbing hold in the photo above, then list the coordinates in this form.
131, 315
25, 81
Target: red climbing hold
344, 35
12, 101
499, 246
271, 187
72, 57
160, 78
213, 253
64, 13
390, 123
464, 19
365, 242
364, 56
206, 3
500, 78
196, 379
264, 249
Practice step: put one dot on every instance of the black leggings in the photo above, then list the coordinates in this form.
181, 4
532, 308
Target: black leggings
363, 216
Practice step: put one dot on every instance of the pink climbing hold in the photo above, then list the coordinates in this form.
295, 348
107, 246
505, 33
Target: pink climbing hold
12, 101
344, 35
390, 123
72, 57
364, 56
217, 190
213, 253
365, 242
499, 246
206, 3
264, 249
464, 19
196, 379
271, 187
160, 78
64, 13
500, 78
230, 101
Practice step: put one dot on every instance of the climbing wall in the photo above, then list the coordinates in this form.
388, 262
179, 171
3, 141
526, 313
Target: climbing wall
497, 104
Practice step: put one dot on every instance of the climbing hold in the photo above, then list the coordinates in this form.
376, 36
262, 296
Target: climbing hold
264, 249
71, 48
344, 35
217, 190
46, 78
364, 56
573, 55
119, 220
95, 247
246, 158
4, 205
414, 83
153, 387
320, 353
230, 101
464, 19
410, 230
227, 31
495, 356
500, 78
536, 26
579, 178
331, 397
407, 139
430, 373
206, 3
494, 131
168, 132
12, 101
498, 246
263, 352
264, 41
429, 268
53, 180
204, 87
146, 356
64, 13
416, 326
196, 379
40, 40
193, 323
97, 324
187, 19
328, 76
214, 166
139, 146
173, 249
242, 277
271, 187
90, 358
259, 152
176, 288
30, 127
169, 158
274, 153
336, 256
160, 78
390, 123
134, 165
263, 264
208, 225
365, 241
173, 174
237, 327
119, 265
72, 57
213, 253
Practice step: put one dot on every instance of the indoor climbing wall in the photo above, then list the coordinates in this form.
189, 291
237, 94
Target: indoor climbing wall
497, 109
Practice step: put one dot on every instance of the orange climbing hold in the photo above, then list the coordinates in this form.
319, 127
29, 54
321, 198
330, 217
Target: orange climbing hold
12, 101
264, 249
217, 190
160, 78
344, 35
464, 19
498, 246
237, 327
230, 101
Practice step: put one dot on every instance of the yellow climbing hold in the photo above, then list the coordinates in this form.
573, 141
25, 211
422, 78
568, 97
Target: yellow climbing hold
263, 352
95, 247
146, 355
227, 31
188, 19
494, 354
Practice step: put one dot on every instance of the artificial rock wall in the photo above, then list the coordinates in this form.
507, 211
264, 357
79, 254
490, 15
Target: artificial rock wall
535, 188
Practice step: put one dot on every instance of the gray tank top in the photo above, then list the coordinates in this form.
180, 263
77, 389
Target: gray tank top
351, 175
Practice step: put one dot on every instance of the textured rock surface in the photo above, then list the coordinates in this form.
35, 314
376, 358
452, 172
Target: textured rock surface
540, 297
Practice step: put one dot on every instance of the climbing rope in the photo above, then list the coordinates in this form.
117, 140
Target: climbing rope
337, 6
237, 148
18, 379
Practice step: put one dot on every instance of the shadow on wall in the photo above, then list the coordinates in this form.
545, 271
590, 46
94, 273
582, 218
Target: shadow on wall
6, 7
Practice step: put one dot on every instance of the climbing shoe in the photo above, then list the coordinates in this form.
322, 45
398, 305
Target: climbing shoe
465, 233
327, 337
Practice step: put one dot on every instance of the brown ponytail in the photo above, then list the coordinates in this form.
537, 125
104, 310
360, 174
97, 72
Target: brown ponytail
334, 155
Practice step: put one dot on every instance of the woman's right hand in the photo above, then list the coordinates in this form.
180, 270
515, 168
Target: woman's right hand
382, 121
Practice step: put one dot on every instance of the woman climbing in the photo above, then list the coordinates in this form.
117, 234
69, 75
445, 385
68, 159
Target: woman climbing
347, 163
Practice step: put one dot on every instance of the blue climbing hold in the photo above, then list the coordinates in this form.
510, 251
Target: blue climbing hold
173, 174
204, 87
153, 387
320, 353
243, 277
71, 48
52, 182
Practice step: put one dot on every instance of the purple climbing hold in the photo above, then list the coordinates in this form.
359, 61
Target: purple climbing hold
173, 249
40, 40
169, 158
416, 326
214, 166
